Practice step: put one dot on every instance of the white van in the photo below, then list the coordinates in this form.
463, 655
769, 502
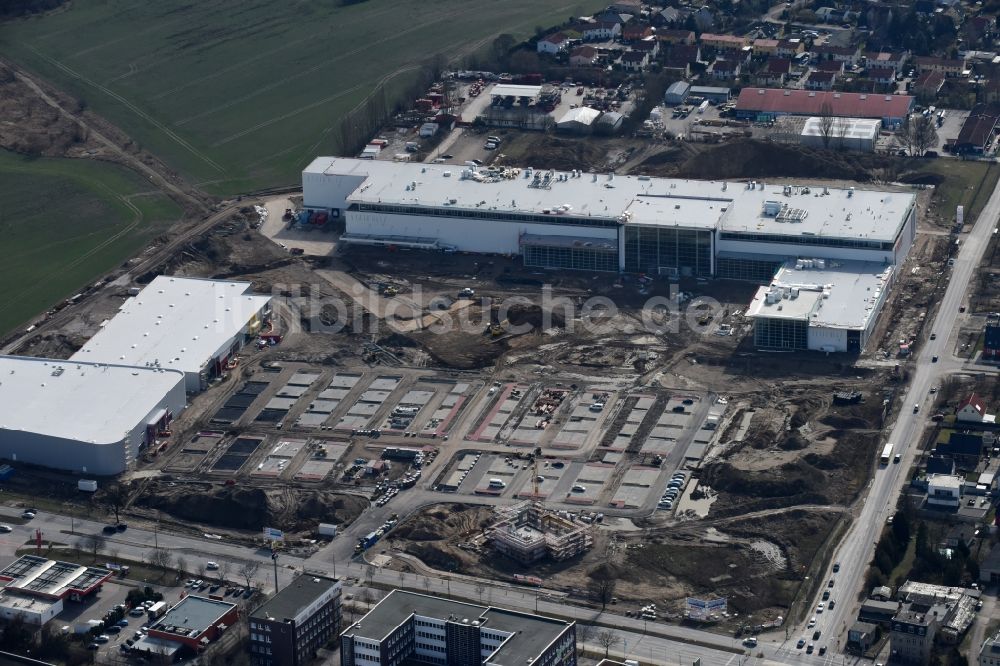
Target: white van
497, 483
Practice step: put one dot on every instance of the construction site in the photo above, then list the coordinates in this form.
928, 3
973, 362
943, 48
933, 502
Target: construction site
550, 439
528, 532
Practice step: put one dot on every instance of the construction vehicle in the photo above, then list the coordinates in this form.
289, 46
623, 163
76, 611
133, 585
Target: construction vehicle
466, 293
389, 290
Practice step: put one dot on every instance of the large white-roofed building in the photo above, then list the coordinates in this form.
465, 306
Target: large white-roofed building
819, 304
635, 224
188, 324
91, 418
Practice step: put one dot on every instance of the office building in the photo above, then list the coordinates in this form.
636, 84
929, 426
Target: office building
291, 626
406, 627
188, 627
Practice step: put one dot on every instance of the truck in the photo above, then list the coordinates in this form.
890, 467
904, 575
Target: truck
156, 611
886, 454
703, 106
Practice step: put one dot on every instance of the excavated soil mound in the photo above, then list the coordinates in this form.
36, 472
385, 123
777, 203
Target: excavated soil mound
762, 159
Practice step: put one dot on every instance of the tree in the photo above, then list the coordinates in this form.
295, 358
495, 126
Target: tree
602, 585
607, 639
116, 498
584, 632
368, 597
480, 588
248, 571
92, 543
160, 558
827, 121
224, 568
917, 134
182, 565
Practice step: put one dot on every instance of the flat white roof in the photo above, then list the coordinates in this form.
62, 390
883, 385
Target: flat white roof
511, 90
176, 322
581, 114
846, 128
730, 206
89, 402
841, 294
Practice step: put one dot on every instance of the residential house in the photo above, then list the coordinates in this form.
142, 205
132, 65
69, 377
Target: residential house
583, 56
882, 75
633, 32
989, 570
975, 137
678, 60
991, 343
845, 54
946, 66
724, 43
601, 31
972, 409
944, 491
861, 636
554, 43
634, 61
775, 72
835, 66
911, 637
831, 15
965, 448
704, 20
940, 464
613, 17
820, 80
724, 68
767, 48
649, 46
927, 85
669, 16
789, 48
671, 36
894, 59
979, 30
989, 91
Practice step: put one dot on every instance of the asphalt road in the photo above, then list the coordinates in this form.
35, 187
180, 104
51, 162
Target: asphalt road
857, 549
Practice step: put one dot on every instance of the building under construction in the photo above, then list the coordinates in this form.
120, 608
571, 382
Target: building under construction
528, 532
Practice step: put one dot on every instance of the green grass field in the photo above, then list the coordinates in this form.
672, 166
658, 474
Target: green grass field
969, 184
241, 94
63, 223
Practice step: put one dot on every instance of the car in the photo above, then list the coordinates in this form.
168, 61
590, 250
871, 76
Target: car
103, 638
836, 567
801, 644
6, 528
93, 646
816, 634
248, 593
916, 407
198, 583
934, 389
212, 566
666, 506
28, 515
125, 647
826, 594
896, 458
579, 489
494, 139
113, 629
934, 358
812, 622
138, 611
831, 604
820, 606
489, 145
110, 529
961, 308
830, 584
810, 648
438, 160
122, 527
213, 588
933, 336
447, 157
822, 650
123, 623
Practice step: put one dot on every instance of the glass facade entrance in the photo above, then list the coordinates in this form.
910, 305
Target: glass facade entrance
650, 249
583, 259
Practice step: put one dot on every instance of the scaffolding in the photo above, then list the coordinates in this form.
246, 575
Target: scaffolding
528, 532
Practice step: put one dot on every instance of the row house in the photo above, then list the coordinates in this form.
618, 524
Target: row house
895, 59
789, 48
882, 75
767, 48
724, 68
583, 56
670, 36
845, 54
820, 81
554, 43
946, 66
601, 31
634, 61
724, 43
636, 32
775, 73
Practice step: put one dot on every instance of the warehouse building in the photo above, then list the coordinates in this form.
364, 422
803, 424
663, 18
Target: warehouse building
407, 627
603, 222
189, 324
578, 121
92, 418
766, 104
830, 133
822, 305
291, 626
187, 628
